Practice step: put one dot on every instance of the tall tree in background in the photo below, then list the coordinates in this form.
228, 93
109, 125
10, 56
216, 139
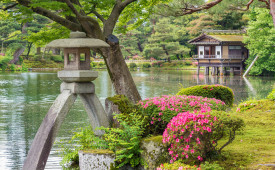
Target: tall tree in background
98, 19
164, 43
260, 41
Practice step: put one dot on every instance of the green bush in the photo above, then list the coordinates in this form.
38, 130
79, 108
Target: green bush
176, 166
57, 58
188, 62
133, 65
211, 166
12, 67
246, 105
210, 91
146, 65
157, 64
272, 95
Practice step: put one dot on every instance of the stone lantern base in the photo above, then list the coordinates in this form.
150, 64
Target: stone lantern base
77, 75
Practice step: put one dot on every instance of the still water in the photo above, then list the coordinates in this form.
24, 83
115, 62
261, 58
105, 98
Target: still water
26, 97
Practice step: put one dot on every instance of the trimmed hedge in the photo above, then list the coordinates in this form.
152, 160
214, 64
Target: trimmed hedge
272, 95
210, 91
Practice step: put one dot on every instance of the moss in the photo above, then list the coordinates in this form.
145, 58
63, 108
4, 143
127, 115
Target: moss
99, 151
155, 139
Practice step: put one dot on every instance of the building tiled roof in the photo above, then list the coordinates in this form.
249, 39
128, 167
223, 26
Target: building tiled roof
228, 37
219, 36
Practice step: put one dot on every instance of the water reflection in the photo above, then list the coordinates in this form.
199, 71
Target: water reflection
26, 97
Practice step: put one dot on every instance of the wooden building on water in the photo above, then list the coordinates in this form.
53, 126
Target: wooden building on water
220, 50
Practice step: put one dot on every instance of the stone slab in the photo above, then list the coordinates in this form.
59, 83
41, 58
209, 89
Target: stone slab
78, 88
96, 161
77, 75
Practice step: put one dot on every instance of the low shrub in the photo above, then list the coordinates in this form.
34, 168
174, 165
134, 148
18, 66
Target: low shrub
193, 137
57, 58
210, 91
12, 67
272, 95
157, 64
247, 105
133, 65
146, 65
177, 165
160, 110
210, 166
188, 62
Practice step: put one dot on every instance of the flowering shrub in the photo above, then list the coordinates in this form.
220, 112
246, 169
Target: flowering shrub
157, 64
194, 136
160, 110
217, 91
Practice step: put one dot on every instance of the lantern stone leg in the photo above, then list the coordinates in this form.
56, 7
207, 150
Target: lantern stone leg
45, 137
76, 76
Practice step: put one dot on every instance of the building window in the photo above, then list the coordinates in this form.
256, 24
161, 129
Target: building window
235, 47
201, 52
218, 53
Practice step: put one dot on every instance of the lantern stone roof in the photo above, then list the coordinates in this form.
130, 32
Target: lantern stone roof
219, 36
78, 40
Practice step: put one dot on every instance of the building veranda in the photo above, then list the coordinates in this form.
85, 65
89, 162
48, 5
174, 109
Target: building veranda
221, 50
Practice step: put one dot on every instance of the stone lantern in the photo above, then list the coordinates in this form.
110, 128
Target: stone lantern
77, 56
76, 78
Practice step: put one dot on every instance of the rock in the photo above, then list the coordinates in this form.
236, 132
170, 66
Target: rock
154, 152
98, 159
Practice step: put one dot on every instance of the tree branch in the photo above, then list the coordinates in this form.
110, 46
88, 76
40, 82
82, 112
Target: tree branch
111, 21
243, 9
9, 7
97, 15
42, 11
266, 2
186, 10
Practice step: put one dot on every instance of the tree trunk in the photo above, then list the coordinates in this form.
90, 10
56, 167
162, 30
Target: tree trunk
38, 50
140, 47
119, 73
272, 10
17, 54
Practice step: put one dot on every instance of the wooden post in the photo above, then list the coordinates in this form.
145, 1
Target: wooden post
246, 72
231, 71
213, 71
222, 71
206, 71
241, 70
198, 70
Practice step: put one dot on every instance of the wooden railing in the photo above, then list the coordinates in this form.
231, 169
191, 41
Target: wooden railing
218, 57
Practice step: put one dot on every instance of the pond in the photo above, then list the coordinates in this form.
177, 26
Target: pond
26, 97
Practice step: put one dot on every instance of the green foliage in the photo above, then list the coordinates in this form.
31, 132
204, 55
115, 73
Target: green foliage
260, 42
146, 65
83, 139
188, 62
210, 166
12, 67
133, 65
210, 91
125, 141
4, 60
157, 64
177, 165
272, 95
57, 58
165, 41
247, 105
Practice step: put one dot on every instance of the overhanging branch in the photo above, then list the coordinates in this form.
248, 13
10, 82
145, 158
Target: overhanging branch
9, 6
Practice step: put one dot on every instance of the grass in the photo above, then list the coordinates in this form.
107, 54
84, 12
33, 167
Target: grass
256, 145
